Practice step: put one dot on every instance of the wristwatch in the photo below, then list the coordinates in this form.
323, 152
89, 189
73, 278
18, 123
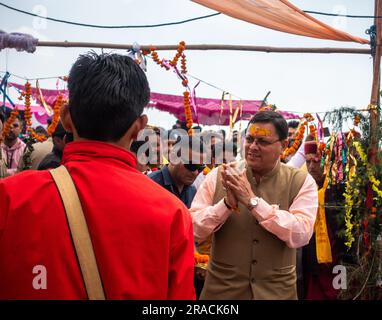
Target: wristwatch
253, 202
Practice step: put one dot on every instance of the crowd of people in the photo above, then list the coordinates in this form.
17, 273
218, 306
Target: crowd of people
152, 198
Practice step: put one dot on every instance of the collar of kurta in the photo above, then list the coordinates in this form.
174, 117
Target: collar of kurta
19, 143
167, 180
268, 175
96, 150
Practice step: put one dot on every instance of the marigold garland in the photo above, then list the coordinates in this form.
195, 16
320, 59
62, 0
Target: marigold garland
313, 131
27, 110
200, 260
55, 119
187, 111
206, 171
186, 95
300, 135
297, 140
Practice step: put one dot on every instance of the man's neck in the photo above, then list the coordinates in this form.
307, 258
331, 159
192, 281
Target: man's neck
10, 143
320, 183
257, 175
177, 183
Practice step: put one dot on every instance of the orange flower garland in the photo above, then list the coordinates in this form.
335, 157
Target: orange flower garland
186, 95
27, 110
181, 48
187, 111
206, 171
313, 130
56, 117
183, 63
291, 150
56, 114
200, 260
300, 135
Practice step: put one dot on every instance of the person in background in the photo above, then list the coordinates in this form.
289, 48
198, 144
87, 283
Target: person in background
178, 178
142, 157
41, 149
13, 147
325, 247
53, 159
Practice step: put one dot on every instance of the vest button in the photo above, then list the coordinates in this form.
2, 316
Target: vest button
254, 262
255, 241
253, 280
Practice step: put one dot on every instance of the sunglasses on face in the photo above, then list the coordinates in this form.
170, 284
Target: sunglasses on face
259, 141
193, 167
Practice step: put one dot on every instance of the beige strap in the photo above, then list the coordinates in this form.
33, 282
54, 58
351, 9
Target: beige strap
80, 233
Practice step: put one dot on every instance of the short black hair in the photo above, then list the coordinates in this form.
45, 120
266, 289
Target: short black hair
59, 131
194, 143
273, 117
136, 145
107, 93
293, 124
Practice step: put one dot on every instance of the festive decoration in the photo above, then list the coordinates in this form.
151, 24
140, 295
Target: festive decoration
187, 111
182, 75
201, 260
27, 110
299, 135
346, 161
52, 127
206, 170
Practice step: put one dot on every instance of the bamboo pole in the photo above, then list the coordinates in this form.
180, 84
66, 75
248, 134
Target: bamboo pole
374, 100
70, 44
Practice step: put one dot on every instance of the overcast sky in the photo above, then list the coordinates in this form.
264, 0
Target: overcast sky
298, 82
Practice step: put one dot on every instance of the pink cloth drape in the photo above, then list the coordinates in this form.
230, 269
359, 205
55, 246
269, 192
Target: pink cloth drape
279, 15
209, 110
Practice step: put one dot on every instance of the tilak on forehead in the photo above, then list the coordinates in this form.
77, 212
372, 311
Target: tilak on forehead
255, 130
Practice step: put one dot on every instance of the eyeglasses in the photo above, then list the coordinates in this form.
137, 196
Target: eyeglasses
259, 141
192, 167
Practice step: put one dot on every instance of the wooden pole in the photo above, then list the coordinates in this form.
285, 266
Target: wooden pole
69, 44
376, 84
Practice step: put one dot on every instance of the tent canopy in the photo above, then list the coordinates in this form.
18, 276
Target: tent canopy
279, 15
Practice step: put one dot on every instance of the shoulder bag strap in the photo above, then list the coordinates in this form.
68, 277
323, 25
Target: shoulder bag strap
80, 233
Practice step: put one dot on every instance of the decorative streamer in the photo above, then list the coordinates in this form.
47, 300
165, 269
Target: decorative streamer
41, 98
222, 106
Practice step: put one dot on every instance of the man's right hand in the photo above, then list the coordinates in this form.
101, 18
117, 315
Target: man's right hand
230, 198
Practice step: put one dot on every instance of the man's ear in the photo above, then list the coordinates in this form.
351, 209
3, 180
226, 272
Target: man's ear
66, 119
137, 126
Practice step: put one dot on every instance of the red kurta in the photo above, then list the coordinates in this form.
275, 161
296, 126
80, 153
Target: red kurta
142, 235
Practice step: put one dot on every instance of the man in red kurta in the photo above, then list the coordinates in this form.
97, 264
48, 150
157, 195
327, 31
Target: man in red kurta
141, 234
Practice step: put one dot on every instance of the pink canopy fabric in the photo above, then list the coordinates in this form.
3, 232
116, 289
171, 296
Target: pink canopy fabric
209, 111
38, 112
279, 15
